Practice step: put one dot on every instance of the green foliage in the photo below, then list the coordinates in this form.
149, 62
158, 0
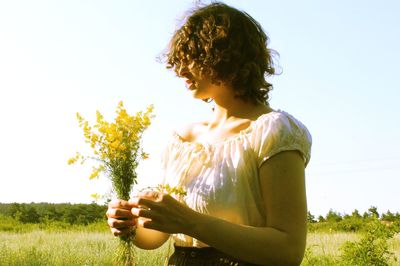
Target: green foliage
372, 248
75, 245
321, 218
11, 225
310, 218
352, 249
373, 212
370, 242
311, 259
73, 214
67, 248
333, 217
389, 216
335, 222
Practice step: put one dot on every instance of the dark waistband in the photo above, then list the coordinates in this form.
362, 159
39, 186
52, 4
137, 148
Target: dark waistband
208, 253
195, 251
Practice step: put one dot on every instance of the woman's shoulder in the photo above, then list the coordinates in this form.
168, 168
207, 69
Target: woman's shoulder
190, 132
279, 121
279, 131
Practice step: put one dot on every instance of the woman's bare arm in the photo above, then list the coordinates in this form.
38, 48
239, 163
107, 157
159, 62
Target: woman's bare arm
280, 242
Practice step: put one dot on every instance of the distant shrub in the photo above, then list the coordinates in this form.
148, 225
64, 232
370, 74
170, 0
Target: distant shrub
9, 224
371, 249
35, 213
350, 224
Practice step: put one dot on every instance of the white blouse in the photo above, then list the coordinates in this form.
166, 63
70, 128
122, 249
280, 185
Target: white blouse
222, 179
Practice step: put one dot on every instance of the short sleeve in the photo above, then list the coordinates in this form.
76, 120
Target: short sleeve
281, 132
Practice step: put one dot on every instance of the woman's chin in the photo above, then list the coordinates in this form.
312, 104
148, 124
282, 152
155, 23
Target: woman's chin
195, 94
198, 97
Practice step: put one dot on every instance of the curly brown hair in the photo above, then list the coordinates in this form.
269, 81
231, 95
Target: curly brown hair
224, 44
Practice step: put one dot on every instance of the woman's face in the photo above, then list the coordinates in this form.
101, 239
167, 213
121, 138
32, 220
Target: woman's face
201, 87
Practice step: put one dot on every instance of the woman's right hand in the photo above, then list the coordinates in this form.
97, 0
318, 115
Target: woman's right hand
120, 218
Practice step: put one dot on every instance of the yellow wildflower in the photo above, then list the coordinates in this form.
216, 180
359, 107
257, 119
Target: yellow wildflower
145, 156
96, 171
115, 145
71, 160
96, 196
74, 159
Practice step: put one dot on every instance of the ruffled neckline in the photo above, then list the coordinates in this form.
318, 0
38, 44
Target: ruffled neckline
241, 134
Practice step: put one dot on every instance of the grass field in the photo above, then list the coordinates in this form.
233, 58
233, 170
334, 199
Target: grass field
96, 248
66, 248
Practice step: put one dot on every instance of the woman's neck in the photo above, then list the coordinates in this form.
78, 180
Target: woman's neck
237, 108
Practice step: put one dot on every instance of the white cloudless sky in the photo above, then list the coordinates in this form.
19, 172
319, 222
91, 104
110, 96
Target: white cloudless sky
340, 63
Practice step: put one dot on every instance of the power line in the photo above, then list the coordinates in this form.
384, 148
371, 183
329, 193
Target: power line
389, 158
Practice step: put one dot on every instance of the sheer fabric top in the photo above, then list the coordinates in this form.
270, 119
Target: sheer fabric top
222, 179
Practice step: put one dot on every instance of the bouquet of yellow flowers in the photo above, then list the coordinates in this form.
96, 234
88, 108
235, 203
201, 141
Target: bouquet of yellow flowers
117, 150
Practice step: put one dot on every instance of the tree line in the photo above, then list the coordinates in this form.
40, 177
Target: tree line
79, 214
354, 222
83, 214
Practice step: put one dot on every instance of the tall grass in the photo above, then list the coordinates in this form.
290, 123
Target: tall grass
326, 249
323, 249
394, 245
328, 244
11, 225
66, 248
88, 247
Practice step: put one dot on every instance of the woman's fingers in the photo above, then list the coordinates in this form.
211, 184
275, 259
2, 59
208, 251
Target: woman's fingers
150, 194
120, 218
120, 204
145, 203
149, 224
119, 213
149, 199
146, 213
120, 224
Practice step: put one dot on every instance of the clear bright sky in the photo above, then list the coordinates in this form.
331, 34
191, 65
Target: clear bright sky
340, 62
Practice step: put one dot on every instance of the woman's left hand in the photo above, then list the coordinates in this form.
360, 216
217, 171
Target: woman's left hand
163, 212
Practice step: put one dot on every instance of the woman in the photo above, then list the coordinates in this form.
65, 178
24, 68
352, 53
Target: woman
242, 170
